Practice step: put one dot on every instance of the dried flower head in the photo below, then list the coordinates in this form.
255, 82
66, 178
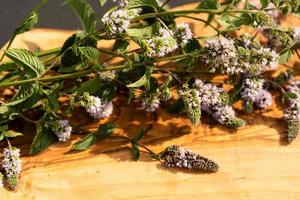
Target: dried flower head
175, 156
161, 44
150, 103
64, 131
263, 99
1, 180
292, 111
117, 21
296, 34
192, 103
107, 76
165, 94
183, 33
95, 107
12, 165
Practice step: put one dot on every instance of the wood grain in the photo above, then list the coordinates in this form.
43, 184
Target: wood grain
255, 162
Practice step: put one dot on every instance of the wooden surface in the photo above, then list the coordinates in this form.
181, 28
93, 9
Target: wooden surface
255, 162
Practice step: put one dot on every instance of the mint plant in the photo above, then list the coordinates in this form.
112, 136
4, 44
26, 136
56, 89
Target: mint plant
74, 72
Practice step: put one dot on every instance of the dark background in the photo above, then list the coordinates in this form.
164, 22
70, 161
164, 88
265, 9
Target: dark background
52, 15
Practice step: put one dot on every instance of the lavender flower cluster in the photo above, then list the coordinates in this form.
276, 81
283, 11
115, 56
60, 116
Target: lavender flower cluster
241, 55
280, 38
222, 56
161, 44
210, 99
64, 131
12, 165
95, 106
183, 33
292, 110
150, 102
175, 156
166, 40
117, 21
252, 91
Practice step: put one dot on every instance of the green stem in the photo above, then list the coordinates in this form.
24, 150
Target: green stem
88, 71
202, 20
8, 142
8, 46
194, 11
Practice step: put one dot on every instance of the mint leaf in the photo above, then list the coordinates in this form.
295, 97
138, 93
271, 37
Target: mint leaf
44, 135
91, 86
11, 133
285, 56
139, 135
135, 151
264, 3
143, 3
28, 24
90, 53
144, 32
85, 13
120, 45
85, 143
102, 2
208, 4
143, 80
103, 131
30, 64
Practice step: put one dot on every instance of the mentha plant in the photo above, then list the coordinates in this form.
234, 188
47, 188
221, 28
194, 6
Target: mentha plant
47, 86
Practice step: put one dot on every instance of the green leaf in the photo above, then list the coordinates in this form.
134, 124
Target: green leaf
30, 64
176, 107
135, 151
85, 143
264, 3
28, 24
143, 3
143, 80
27, 96
11, 133
192, 45
120, 45
130, 95
103, 131
3, 109
285, 56
44, 136
139, 135
85, 13
235, 123
90, 86
107, 92
208, 4
144, 32
52, 100
290, 95
91, 53
102, 2
71, 55
1, 136
248, 106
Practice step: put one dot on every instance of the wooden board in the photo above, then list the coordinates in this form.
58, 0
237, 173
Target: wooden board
255, 162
